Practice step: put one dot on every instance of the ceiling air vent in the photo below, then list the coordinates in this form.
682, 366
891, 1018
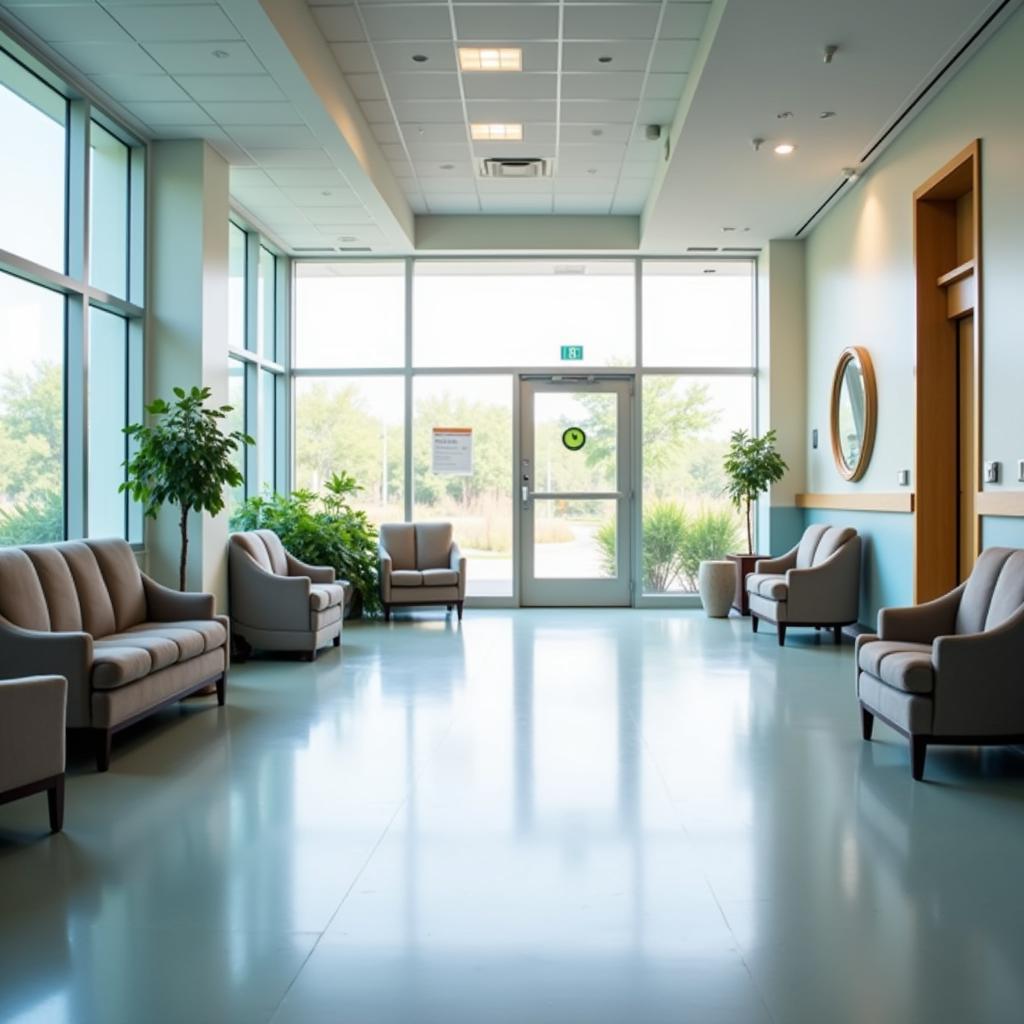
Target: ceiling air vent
354, 248
741, 248
570, 269
702, 248
312, 248
515, 167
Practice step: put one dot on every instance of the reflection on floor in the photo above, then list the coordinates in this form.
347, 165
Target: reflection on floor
546, 816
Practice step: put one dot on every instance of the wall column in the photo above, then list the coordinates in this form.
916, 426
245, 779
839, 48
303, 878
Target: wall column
186, 341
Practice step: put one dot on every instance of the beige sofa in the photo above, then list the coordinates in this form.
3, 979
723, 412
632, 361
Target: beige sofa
817, 583
279, 603
32, 714
949, 671
420, 564
125, 644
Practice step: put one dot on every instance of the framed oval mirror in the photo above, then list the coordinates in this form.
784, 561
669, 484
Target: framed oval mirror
854, 412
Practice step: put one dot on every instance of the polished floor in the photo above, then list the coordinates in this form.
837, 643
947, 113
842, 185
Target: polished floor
544, 817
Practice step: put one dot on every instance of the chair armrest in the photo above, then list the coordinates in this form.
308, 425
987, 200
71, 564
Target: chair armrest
265, 600
385, 575
922, 623
457, 562
777, 566
29, 652
827, 593
316, 573
33, 711
166, 605
979, 684
860, 640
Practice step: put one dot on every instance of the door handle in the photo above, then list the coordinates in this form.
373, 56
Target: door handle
526, 493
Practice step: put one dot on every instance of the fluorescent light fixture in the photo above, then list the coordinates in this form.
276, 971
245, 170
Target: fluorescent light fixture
496, 132
784, 148
490, 58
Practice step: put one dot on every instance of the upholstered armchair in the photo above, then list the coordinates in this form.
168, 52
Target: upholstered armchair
817, 583
279, 603
950, 671
32, 715
420, 564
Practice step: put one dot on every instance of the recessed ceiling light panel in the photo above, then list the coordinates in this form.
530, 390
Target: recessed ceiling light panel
490, 58
496, 132
785, 148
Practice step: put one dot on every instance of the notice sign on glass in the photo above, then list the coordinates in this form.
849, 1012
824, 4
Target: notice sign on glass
452, 451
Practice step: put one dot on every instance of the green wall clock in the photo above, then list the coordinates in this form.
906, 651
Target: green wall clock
574, 439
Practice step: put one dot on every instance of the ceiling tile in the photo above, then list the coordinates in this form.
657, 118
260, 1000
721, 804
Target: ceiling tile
454, 204
595, 111
499, 22
684, 20
261, 114
619, 85
140, 88
434, 153
274, 157
589, 155
210, 132
657, 111
674, 55
167, 23
366, 87
385, 133
408, 85
332, 196
78, 23
413, 22
627, 55
597, 184
239, 88
510, 86
611, 21
250, 177
266, 197
99, 58
428, 112
156, 114
272, 135
576, 204
448, 186
454, 132
606, 133
315, 177
340, 215
377, 111
452, 169
339, 24
642, 171
664, 87
354, 58
500, 111
516, 204
398, 56
200, 59
627, 206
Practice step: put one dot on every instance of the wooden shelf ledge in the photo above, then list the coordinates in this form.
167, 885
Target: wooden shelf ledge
859, 501
956, 274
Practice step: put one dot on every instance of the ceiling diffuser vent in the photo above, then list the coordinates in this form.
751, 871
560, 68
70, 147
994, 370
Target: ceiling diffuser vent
515, 167
354, 248
312, 248
702, 248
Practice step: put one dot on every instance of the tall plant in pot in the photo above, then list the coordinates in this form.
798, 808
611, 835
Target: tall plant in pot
183, 457
752, 465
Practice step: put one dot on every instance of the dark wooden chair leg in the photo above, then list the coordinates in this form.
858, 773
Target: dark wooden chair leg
837, 632
221, 690
867, 723
782, 634
104, 738
337, 640
308, 655
449, 607
387, 613
918, 752
460, 610
753, 622
55, 798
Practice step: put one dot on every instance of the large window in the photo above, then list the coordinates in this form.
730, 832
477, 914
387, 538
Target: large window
71, 366
391, 353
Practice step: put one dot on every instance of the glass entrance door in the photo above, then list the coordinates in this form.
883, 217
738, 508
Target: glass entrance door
575, 491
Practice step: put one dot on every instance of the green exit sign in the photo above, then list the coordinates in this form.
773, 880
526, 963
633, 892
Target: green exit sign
572, 353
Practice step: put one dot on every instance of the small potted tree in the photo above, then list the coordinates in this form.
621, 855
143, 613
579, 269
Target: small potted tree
183, 458
752, 465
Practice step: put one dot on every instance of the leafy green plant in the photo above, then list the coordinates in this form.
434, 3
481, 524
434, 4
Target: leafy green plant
752, 465
675, 543
184, 458
321, 529
37, 521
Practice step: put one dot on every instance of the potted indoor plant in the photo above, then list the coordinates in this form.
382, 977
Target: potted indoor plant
183, 458
752, 465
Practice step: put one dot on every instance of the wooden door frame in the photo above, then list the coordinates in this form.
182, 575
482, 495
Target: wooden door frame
936, 531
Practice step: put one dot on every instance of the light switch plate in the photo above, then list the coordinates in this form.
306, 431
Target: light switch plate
991, 472
903, 477
814, 441
1020, 470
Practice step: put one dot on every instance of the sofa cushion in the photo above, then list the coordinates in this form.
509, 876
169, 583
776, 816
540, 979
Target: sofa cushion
185, 643
399, 541
325, 595
808, 545
902, 665
114, 666
211, 631
831, 541
58, 587
162, 650
22, 600
97, 609
440, 578
771, 585
122, 579
433, 545
406, 578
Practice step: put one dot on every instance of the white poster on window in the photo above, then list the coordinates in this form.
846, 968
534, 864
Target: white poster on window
452, 451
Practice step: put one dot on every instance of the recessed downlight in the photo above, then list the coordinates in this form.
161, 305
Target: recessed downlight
605, 59
496, 132
447, 167
420, 58
785, 148
826, 114
490, 58
221, 54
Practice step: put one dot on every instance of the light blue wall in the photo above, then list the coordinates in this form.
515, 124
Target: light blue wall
1002, 532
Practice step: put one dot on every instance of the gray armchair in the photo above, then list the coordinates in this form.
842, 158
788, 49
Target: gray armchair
32, 714
279, 603
817, 583
949, 671
420, 564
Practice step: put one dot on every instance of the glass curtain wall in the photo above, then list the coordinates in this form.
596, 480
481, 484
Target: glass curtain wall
387, 352
71, 316
257, 351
